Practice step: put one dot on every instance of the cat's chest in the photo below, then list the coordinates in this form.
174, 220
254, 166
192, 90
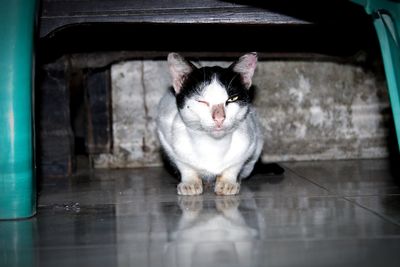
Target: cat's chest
209, 149
214, 155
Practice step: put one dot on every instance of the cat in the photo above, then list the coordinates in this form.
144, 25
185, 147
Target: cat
207, 126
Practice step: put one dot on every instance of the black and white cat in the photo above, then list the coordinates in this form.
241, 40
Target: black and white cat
207, 126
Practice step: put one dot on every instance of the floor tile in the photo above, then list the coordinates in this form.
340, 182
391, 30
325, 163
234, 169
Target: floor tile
351, 177
344, 253
338, 213
109, 187
193, 231
202, 219
387, 206
359, 252
288, 184
155, 184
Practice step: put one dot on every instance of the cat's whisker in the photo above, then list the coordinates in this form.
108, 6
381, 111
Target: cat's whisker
230, 82
204, 74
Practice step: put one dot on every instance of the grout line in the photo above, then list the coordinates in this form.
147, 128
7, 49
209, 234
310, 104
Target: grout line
209, 197
347, 198
267, 240
305, 178
385, 218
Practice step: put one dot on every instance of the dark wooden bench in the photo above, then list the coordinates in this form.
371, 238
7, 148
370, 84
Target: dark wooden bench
271, 26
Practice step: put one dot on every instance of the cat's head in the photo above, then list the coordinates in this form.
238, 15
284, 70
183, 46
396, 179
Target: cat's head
212, 99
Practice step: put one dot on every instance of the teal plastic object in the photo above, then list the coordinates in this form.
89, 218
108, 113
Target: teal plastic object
18, 243
17, 180
386, 17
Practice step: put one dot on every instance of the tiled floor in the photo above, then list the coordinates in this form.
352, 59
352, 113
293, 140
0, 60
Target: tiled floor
330, 213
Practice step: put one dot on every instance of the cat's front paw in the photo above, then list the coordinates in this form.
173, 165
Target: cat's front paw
190, 189
225, 188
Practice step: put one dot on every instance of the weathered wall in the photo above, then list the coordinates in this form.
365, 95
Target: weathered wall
310, 110
322, 110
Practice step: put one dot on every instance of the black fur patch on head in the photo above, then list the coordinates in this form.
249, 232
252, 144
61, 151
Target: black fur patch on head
199, 78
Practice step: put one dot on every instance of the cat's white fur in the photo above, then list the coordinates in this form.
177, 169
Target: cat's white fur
200, 149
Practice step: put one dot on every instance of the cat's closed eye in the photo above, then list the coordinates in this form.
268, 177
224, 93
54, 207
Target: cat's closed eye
232, 99
203, 102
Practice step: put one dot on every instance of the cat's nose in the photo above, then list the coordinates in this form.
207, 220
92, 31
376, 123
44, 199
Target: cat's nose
218, 114
219, 121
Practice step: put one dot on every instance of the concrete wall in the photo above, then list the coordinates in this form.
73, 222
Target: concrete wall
309, 109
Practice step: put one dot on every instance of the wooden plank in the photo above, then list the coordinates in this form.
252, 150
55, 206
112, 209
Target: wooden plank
98, 102
52, 24
55, 140
80, 7
309, 10
58, 14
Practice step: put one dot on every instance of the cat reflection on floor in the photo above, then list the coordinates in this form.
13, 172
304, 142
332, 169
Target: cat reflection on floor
214, 233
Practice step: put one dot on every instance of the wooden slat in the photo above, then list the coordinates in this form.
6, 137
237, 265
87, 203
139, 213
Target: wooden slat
98, 103
55, 137
58, 14
75, 26
79, 7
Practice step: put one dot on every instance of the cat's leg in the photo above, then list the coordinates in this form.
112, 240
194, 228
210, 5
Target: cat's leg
248, 168
227, 183
191, 184
249, 165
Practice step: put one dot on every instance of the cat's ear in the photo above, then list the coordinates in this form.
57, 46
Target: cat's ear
179, 69
245, 66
